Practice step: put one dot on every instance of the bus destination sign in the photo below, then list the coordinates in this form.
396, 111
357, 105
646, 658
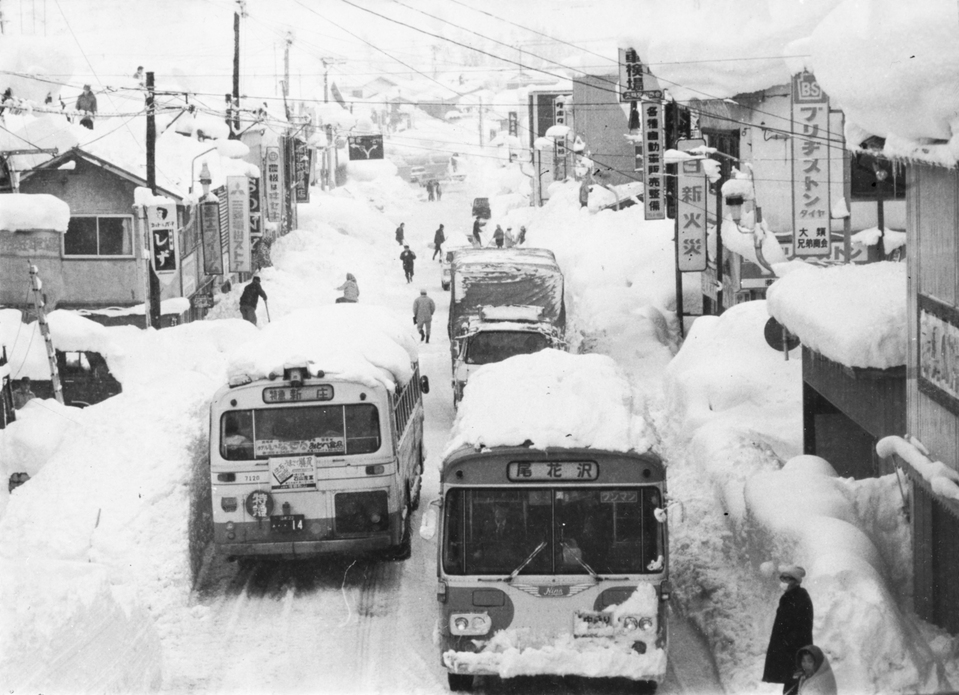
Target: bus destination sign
539, 471
297, 394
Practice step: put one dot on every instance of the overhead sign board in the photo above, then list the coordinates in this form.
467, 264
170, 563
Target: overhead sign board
635, 83
691, 214
238, 224
654, 136
810, 155
365, 147
161, 221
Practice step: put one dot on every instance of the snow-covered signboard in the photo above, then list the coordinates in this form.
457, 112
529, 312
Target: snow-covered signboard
365, 147
810, 152
274, 196
161, 220
691, 217
210, 237
238, 223
654, 136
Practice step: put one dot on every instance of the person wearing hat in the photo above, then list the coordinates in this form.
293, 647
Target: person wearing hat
815, 673
408, 257
87, 106
423, 308
792, 629
249, 298
351, 290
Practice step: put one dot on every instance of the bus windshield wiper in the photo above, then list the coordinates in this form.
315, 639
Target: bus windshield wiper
528, 560
580, 560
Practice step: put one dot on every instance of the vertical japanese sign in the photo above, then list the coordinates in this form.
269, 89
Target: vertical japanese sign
274, 193
161, 220
238, 223
302, 161
691, 215
810, 153
653, 148
256, 214
630, 75
210, 238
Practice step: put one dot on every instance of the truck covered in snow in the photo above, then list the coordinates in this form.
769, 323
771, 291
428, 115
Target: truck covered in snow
503, 302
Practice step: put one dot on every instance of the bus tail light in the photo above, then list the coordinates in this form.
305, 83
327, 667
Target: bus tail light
441, 591
230, 533
375, 470
228, 504
470, 623
665, 591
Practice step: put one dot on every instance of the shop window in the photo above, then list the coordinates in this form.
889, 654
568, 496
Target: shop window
865, 183
99, 236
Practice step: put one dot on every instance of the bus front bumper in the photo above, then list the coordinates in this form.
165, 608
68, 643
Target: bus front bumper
507, 657
292, 549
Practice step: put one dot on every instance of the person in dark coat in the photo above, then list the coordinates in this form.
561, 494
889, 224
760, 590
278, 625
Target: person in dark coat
429, 190
792, 629
521, 237
87, 105
477, 241
248, 300
408, 257
438, 238
400, 232
423, 308
499, 237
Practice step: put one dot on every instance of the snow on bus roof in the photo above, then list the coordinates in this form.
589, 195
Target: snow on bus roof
360, 342
566, 401
530, 256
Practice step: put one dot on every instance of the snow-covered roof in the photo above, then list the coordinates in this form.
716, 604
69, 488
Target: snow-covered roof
568, 401
24, 212
853, 314
349, 341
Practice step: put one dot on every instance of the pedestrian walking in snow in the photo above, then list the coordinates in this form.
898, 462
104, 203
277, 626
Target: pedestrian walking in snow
423, 308
509, 241
792, 630
477, 241
87, 106
438, 238
351, 291
408, 257
439, 192
429, 190
248, 300
815, 673
521, 237
499, 237
400, 233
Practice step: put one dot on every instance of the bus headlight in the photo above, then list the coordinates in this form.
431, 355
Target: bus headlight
470, 623
634, 622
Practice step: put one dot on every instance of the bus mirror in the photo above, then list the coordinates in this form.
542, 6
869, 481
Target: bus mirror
425, 384
680, 514
428, 525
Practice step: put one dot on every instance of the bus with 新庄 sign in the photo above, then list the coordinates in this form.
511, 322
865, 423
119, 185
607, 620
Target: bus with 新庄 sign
305, 461
551, 526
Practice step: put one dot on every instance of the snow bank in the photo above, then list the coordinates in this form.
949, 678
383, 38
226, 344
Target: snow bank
25, 212
853, 314
568, 401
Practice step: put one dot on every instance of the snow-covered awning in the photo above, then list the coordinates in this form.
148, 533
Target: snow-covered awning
21, 212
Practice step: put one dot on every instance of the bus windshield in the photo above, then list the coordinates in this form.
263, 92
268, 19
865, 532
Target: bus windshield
320, 430
611, 530
495, 346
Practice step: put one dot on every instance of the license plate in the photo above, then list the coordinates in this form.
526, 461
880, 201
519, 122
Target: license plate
590, 622
287, 522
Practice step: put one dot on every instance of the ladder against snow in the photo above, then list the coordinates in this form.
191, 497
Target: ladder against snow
37, 286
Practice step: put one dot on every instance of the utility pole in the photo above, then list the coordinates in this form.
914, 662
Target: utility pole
154, 298
481, 121
286, 73
240, 12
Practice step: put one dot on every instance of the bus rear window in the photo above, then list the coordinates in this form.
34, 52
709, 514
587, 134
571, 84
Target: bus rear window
320, 430
495, 346
607, 530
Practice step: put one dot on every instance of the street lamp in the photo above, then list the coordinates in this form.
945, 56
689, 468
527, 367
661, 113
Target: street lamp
193, 164
205, 179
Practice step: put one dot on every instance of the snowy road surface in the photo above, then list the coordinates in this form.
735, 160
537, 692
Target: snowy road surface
342, 625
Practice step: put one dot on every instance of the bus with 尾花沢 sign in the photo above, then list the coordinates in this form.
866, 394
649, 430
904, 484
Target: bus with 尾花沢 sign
306, 462
551, 525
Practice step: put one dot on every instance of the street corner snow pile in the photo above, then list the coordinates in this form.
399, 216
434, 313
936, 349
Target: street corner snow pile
27, 443
726, 379
349, 212
69, 631
350, 341
568, 401
854, 315
851, 536
26, 212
